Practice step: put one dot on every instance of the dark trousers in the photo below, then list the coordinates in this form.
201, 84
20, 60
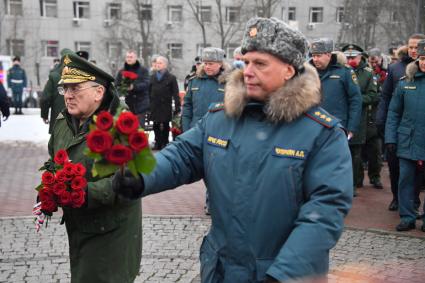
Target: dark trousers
371, 151
393, 166
356, 157
161, 130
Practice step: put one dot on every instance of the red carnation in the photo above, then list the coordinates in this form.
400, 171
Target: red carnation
47, 178
99, 141
60, 176
78, 198
138, 141
119, 154
78, 183
58, 188
49, 206
79, 169
65, 198
68, 170
129, 75
104, 121
127, 123
61, 157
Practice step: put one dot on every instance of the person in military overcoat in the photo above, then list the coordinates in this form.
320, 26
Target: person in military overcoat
341, 93
269, 153
17, 82
404, 134
206, 88
105, 237
369, 89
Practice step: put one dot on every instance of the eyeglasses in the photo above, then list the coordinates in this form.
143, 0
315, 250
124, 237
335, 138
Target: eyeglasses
72, 89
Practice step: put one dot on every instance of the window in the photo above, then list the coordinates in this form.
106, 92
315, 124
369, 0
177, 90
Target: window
204, 12
146, 12
200, 47
83, 46
113, 11
292, 14
49, 8
175, 50
13, 7
232, 14
114, 50
316, 15
81, 10
230, 48
15, 47
50, 48
175, 14
340, 14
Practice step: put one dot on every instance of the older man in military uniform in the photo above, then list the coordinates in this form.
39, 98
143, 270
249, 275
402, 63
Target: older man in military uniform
206, 88
368, 88
104, 235
269, 153
341, 94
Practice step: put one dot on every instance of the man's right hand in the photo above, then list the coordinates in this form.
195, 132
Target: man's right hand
126, 185
46, 121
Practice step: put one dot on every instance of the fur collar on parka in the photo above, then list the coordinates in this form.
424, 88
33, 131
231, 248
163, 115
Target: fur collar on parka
285, 104
411, 70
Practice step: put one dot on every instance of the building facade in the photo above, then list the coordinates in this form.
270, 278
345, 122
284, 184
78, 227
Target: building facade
38, 29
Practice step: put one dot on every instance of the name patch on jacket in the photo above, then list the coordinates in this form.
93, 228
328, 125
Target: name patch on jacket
409, 87
217, 142
291, 153
334, 77
194, 88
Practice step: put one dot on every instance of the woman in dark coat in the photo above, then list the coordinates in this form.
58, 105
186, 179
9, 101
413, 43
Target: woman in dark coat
163, 89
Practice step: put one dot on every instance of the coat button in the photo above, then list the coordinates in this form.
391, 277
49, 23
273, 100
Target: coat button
102, 228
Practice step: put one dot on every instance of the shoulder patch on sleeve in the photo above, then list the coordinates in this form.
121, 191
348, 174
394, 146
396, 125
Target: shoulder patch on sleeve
216, 107
322, 117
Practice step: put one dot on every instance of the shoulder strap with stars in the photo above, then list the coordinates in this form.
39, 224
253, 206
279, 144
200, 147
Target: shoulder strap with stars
322, 117
215, 107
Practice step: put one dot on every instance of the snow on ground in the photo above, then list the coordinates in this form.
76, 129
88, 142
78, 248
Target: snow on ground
28, 127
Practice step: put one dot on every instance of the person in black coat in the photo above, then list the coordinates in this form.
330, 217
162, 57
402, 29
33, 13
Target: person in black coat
137, 97
163, 89
4, 103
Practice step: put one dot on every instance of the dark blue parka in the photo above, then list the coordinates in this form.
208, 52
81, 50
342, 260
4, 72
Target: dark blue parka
16, 79
279, 178
405, 124
341, 93
201, 92
395, 72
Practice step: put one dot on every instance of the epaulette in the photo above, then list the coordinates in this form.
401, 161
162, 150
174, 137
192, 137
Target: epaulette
402, 78
215, 107
369, 69
322, 117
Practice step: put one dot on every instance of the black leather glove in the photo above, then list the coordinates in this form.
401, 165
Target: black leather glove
391, 147
270, 279
126, 185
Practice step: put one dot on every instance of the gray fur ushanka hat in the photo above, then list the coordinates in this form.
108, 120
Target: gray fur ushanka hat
277, 38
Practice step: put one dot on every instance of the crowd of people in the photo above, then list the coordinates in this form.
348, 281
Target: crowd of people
285, 133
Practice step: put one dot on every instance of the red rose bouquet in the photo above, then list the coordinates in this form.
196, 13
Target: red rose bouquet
62, 184
176, 128
127, 79
115, 142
